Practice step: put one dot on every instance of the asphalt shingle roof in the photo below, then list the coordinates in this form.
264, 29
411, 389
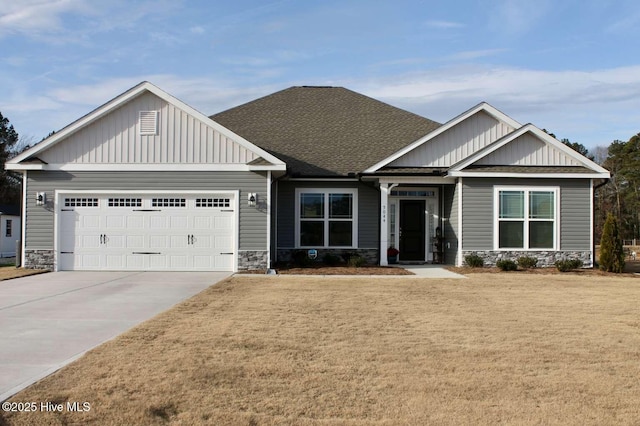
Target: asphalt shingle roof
325, 131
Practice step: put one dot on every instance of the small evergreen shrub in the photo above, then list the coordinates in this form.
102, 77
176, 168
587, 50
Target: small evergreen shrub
611, 249
356, 261
506, 265
474, 261
527, 262
566, 265
330, 259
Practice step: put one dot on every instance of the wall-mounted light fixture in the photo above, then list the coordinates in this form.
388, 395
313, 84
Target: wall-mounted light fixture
252, 198
41, 198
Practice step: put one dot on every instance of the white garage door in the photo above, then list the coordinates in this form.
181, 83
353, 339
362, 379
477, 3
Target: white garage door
147, 232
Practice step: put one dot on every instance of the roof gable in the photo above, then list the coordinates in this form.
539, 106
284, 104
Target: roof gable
527, 146
325, 131
455, 140
110, 135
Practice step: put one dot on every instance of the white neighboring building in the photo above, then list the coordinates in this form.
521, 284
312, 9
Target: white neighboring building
9, 229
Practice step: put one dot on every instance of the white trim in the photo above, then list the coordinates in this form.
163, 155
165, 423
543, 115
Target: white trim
326, 219
129, 167
135, 91
422, 180
58, 193
591, 230
269, 219
483, 106
23, 237
544, 137
384, 223
529, 175
460, 189
525, 237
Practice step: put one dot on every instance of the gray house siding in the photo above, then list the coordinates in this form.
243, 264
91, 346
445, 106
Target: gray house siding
575, 221
368, 216
450, 215
40, 219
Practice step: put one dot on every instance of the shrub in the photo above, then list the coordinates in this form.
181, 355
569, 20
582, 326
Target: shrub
527, 262
611, 250
566, 265
356, 261
474, 261
330, 259
506, 265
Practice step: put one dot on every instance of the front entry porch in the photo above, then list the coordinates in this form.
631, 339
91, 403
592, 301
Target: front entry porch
411, 222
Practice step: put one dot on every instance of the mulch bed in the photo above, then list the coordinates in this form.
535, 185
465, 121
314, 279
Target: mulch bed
335, 270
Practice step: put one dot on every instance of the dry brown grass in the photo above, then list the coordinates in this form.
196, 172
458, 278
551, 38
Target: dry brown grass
9, 272
492, 349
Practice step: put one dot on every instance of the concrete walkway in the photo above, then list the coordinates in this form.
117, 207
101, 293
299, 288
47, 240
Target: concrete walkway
50, 320
430, 271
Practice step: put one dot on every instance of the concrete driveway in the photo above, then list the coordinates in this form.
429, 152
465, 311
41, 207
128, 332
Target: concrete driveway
49, 320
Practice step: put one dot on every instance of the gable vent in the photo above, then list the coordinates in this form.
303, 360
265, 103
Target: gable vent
148, 122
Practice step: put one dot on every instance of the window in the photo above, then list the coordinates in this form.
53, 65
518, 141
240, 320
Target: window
526, 218
9, 225
213, 202
125, 202
81, 202
168, 202
326, 218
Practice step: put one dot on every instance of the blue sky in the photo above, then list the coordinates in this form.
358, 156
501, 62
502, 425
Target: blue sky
572, 67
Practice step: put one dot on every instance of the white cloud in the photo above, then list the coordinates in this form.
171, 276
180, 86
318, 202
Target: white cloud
517, 16
444, 24
197, 30
474, 54
33, 17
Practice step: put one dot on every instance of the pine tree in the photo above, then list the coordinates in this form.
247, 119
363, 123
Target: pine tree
611, 251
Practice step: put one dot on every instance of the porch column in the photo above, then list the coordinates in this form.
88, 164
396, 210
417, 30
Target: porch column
384, 223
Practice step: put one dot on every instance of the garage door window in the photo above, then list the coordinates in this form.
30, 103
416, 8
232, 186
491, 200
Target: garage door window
212, 202
168, 202
125, 202
81, 202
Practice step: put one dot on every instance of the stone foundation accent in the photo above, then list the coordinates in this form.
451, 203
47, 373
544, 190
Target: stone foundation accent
545, 258
371, 255
38, 259
252, 259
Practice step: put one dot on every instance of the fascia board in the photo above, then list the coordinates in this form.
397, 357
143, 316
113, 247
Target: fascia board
483, 106
86, 167
531, 175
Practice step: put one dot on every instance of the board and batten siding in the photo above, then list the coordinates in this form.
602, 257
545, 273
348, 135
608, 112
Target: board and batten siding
457, 143
528, 150
478, 215
115, 139
368, 208
252, 221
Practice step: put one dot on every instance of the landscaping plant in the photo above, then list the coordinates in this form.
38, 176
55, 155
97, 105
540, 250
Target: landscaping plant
474, 261
527, 262
611, 250
506, 265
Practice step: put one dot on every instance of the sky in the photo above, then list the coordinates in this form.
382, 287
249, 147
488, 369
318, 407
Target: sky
571, 67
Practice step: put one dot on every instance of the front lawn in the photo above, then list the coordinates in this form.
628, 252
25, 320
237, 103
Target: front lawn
255, 350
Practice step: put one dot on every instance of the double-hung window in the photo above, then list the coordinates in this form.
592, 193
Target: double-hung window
326, 217
526, 218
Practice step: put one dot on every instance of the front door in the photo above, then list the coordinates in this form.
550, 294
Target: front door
412, 229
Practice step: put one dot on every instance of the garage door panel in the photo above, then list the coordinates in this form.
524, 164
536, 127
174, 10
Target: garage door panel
177, 233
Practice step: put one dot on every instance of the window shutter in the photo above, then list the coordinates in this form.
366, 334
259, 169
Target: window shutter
148, 122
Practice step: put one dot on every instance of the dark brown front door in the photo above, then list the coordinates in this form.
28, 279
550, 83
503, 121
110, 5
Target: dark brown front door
412, 230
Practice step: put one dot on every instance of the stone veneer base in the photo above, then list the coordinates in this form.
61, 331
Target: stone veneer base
545, 258
371, 255
252, 259
38, 259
